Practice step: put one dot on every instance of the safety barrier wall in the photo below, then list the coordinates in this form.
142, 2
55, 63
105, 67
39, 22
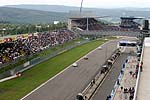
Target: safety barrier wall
112, 33
32, 63
139, 74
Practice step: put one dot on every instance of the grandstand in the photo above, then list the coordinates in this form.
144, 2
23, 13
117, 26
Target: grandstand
90, 23
130, 23
13, 47
85, 23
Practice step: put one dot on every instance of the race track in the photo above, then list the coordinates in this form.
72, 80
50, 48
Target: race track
73, 80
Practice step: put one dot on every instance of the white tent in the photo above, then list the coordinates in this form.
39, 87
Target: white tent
147, 42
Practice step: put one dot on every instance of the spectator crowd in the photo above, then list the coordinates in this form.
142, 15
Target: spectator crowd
34, 43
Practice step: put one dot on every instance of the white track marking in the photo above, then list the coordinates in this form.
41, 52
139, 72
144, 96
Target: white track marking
62, 71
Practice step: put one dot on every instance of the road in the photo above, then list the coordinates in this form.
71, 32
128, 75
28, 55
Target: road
68, 84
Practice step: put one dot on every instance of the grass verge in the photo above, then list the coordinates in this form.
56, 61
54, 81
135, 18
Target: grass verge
42, 54
17, 88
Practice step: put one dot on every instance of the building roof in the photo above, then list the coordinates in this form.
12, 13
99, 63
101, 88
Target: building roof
80, 17
131, 18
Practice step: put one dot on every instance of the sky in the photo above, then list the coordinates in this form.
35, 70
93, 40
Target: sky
86, 3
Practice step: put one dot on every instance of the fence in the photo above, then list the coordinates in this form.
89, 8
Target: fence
111, 33
139, 73
32, 63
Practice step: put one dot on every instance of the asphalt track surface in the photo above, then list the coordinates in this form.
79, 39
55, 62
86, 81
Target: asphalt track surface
108, 84
68, 84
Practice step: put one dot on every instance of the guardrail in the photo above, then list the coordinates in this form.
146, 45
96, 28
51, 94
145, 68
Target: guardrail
139, 74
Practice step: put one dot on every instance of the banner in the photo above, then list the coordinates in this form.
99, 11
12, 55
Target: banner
25, 36
14, 38
2, 41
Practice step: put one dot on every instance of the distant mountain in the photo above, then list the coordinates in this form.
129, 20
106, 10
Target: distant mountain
115, 12
50, 13
53, 8
135, 9
61, 8
17, 15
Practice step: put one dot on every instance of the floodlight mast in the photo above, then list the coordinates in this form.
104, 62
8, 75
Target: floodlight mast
81, 6
87, 24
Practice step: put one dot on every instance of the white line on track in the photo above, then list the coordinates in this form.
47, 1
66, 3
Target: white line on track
61, 72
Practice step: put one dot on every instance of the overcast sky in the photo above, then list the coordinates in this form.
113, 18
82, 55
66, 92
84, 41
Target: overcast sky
87, 3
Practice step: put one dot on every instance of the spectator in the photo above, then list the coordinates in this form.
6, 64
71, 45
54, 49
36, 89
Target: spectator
33, 44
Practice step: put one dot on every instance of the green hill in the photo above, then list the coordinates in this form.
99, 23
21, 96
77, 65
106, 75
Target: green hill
50, 13
17, 15
114, 13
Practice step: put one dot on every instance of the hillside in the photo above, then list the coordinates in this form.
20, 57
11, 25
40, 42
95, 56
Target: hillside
50, 13
17, 15
61, 8
115, 13
53, 8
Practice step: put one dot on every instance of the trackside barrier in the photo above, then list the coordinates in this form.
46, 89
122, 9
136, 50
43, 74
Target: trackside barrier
8, 78
37, 60
111, 33
139, 74
11, 77
119, 80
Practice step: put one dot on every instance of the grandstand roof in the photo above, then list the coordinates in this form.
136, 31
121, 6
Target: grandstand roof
131, 18
79, 17
84, 14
